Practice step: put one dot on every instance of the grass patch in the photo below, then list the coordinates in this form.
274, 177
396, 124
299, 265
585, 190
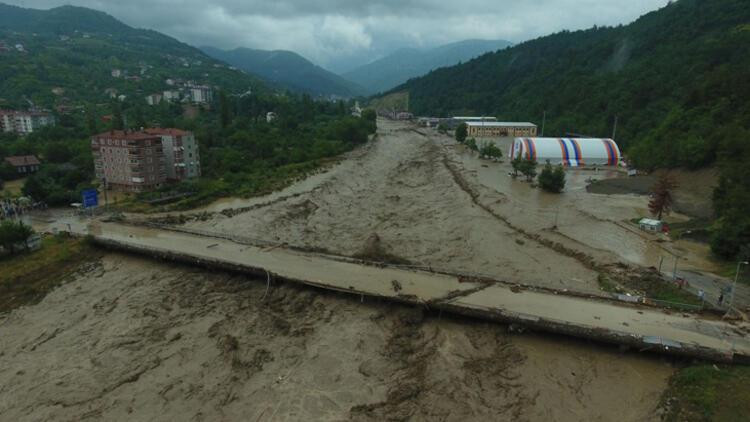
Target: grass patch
708, 393
696, 229
27, 277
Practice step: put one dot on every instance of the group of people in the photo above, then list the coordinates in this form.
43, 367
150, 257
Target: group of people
16, 207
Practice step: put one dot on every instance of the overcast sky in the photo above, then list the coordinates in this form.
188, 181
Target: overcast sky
339, 34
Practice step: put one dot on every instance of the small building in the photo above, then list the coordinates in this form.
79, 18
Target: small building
24, 164
116, 73
568, 152
129, 161
153, 99
404, 115
650, 225
171, 96
490, 129
24, 122
181, 156
270, 117
201, 94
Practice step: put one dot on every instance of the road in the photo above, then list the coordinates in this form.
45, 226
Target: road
713, 285
598, 319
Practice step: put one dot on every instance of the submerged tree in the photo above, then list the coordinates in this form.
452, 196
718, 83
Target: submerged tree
462, 132
661, 196
552, 178
527, 167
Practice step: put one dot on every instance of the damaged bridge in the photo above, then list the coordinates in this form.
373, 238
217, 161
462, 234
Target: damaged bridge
640, 327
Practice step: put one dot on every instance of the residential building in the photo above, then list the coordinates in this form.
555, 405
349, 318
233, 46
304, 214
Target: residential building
116, 73
171, 96
129, 161
201, 94
153, 99
270, 117
485, 129
24, 164
24, 122
181, 156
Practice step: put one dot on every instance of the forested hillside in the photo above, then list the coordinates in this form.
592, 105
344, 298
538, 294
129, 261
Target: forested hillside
75, 49
289, 70
678, 80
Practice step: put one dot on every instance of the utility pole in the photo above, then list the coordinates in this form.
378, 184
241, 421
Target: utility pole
614, 129
734, 285
674, 272
661, 261
544, 121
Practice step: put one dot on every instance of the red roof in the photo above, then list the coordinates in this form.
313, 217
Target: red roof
127, 135
22, 160
167, 131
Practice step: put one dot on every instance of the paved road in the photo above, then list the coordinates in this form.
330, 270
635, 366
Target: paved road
713, 286
573, 315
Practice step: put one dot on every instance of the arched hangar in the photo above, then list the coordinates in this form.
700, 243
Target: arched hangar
572, 152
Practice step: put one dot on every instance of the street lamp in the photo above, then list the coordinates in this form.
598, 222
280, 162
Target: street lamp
734, 285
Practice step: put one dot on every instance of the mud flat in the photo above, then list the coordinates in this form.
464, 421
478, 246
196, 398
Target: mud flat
134, 339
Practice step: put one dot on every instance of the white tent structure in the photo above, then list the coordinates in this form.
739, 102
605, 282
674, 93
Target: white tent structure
572, 152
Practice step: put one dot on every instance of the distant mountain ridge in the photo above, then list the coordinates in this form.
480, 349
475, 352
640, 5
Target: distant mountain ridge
287, 69
404, 64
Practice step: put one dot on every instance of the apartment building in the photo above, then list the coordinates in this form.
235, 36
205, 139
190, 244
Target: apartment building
129, 161
181, 156
24, 122
201, 94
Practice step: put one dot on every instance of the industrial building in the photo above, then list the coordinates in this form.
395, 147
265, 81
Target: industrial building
569, 152
485, 129
453, 122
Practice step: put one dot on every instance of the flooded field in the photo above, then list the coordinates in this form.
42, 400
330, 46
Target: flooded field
133, 339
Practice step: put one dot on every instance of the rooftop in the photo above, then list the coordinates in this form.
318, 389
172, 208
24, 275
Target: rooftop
127, 135
501, 124
22, 160
167, 131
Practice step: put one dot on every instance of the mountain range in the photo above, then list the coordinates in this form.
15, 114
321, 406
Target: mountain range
288, 69
406, 63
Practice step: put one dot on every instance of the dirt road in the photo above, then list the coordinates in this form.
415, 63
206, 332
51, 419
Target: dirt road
137, 340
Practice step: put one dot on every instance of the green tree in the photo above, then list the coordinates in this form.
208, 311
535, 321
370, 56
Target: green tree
472, 144
12, 233
528, 168
462, 132
224, 111
118, 123
552, 178
490, 150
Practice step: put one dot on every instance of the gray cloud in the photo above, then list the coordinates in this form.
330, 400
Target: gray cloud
340, 33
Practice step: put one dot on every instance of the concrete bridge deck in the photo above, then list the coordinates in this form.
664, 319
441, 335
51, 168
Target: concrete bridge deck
641, 327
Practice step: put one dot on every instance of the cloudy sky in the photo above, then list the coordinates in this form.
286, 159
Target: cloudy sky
340, 34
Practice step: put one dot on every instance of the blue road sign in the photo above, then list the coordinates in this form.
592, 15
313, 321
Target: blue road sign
90, 198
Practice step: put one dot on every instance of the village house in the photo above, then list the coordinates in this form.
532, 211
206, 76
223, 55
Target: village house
24, 164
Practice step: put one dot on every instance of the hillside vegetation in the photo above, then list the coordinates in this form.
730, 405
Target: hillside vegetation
677, 79
76, 49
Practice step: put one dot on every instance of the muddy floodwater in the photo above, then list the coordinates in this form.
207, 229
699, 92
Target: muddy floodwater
132, 339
